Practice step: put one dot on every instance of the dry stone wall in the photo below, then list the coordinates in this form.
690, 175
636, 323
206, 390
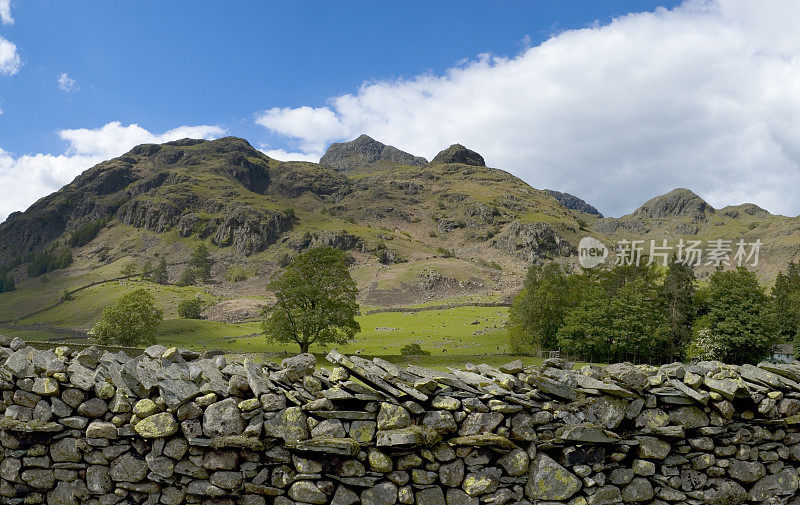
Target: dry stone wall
171, 427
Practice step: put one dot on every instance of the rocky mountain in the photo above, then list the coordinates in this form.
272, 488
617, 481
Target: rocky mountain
678, 203
681, 214
417, 231
574, 203
365, 151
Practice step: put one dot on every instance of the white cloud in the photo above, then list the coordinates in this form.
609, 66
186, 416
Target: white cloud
702, 96
66, 83
314, 126
282, 155
24, 179
10, 62
5, 12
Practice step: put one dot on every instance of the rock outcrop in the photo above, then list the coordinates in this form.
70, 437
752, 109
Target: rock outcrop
457, 153
169, 426
363, 151
533, 242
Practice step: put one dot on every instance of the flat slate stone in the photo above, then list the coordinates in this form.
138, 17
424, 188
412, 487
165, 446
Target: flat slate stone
328, 445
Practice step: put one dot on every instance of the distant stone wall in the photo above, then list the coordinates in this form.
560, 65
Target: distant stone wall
170, 427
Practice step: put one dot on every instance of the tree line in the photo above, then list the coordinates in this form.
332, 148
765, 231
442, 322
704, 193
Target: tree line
648, 313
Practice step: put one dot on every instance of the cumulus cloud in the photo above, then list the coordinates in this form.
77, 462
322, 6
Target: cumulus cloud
313, 126
10, 62
26, 178
701, 96
66, 83
5, 12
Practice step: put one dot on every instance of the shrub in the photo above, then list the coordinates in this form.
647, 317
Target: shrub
414, 349
201, 262
191, 308
159, 275
129, 270
236, 274
285, 260
446, 253
187, 277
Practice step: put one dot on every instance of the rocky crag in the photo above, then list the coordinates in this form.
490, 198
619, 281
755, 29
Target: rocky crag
169, 427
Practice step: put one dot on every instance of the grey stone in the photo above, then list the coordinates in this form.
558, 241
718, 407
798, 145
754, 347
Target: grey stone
68, 493
628, 375
431, 496
391, 417
653, 448
724, 492
452, 474
229, 480
297, 367
101, 429
440, 420
98, 480
331, 428
65, 450
223, 418
638, 490
782, 483
746, 471
689, 417
307, 492
459, 497
547, 480
128, 468
384, 493
606, 495
484, 481
515, 462
93, 407
344, 496
480, 422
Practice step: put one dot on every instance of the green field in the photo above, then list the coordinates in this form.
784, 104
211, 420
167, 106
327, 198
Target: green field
452, 336
458, 331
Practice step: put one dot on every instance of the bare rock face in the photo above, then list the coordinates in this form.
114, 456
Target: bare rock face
533, 241
457, 153
363, 151
250, 230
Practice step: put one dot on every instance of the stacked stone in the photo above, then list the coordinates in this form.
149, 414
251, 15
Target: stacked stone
170, 427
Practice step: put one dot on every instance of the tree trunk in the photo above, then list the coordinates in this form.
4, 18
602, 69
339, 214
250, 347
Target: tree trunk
303, 347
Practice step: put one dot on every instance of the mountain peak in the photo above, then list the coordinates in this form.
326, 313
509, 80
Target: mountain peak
680, 202
457, 153
363, 151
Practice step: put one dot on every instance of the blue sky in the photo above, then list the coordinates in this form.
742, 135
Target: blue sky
163, 64
607, 92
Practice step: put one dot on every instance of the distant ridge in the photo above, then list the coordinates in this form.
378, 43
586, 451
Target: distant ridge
574, 203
